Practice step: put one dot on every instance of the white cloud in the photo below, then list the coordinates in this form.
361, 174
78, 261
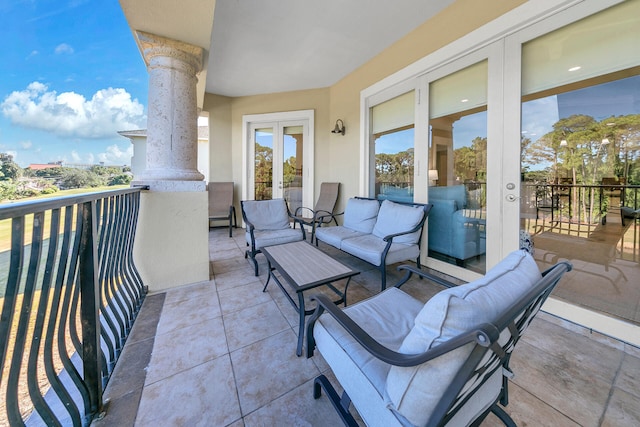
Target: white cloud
75, 157
63, 48
115, 156
25, 145
72, 115
32, 54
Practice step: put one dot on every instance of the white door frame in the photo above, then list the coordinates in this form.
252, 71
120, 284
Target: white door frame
306, 118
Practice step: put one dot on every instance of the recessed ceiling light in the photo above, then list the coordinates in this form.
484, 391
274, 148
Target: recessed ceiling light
575, 68
464, 100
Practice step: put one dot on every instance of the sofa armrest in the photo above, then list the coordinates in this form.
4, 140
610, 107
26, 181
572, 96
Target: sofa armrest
484, 335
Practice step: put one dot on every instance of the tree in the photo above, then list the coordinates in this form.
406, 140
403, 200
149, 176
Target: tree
10, 169
78, 178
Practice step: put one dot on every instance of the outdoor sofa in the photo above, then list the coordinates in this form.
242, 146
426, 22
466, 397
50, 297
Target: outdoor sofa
379, 233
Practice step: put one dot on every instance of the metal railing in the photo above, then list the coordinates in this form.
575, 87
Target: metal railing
69, 294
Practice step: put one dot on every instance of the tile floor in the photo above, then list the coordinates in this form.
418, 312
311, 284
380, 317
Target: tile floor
222, 353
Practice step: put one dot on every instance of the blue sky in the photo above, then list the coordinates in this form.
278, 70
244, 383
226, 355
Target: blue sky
71, 77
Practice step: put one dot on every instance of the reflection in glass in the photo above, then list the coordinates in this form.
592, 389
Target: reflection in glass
394, 165
458, 158
292, 166
263, 172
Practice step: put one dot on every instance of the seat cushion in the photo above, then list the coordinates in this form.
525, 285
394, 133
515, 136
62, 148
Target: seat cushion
360, 374
414, 391
396, 218
267, 214
334, 236
274, 237
369, 248
360, 214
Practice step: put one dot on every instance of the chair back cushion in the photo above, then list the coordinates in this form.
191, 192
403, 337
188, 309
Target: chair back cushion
396, 218
267, 214
220, 196
360, 214
415, 391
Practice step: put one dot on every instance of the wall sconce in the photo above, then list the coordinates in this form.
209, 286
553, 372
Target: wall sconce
433, 177
340, 128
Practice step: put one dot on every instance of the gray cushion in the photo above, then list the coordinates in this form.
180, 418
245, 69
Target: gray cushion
360, 214
414, 391
334, 236
267, 214
356, 369
370, 247
396, 218
274, 237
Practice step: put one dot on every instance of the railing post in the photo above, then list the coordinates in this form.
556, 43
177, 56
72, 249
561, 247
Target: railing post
90, 309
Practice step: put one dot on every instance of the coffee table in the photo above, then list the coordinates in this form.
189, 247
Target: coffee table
305, 267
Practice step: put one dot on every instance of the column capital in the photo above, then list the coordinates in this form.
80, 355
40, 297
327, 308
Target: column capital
155, 47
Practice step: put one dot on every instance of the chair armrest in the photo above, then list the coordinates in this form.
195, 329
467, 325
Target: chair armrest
483, 335
410, 271
329, 214
301, 208
300, 223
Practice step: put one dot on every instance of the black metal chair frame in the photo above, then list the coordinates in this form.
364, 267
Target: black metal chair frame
485, 337
252, 251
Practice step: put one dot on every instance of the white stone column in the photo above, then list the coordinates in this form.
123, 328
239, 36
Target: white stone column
172, 128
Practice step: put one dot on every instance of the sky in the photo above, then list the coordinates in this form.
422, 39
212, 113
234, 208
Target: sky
71, 77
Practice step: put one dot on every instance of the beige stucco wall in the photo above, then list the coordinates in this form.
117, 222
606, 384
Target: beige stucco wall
172, 243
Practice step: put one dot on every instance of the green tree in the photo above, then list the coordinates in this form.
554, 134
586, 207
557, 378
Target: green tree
10, 169
79, 178
121, 179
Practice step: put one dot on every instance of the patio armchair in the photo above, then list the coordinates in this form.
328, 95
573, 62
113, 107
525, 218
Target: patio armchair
267, 223
323, 208
445, 362
221, 203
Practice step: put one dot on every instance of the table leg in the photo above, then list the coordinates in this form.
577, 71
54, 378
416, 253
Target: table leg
268, 276
302, 313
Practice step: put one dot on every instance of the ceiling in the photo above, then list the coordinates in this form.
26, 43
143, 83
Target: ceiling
268, 46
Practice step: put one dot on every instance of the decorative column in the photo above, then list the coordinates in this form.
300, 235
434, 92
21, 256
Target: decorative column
172, 129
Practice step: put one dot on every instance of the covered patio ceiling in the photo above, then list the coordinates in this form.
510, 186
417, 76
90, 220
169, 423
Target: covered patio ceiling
267, 46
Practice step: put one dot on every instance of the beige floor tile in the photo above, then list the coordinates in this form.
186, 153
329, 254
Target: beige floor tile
561, 383
528, 410
190, 311
233, 278
575, 350
253, 324
623, 410
296, 408
195, 291
268, 369
229, 264
628, 378
241, 297
177, 350
202, 396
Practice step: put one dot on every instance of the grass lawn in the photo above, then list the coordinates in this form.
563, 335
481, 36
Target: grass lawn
5, 225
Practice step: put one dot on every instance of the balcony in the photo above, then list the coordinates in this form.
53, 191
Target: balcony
223, 353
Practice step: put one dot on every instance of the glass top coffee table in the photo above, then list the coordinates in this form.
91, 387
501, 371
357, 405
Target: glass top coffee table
305, 267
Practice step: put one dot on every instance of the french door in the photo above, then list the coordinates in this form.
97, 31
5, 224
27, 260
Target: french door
278, 158
458, 112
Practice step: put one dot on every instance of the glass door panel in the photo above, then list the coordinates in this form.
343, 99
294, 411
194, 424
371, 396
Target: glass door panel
292, 166
580, 160
263, 168
458, 168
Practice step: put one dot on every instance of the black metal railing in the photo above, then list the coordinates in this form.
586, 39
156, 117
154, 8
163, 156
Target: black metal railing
69, 294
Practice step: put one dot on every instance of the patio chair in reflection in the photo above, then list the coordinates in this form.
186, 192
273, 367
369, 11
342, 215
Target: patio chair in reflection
444, 362
267, 223
324, 207
221, 203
